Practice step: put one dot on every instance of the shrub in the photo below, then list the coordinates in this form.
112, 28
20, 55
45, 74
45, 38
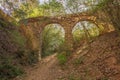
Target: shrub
8, 71
9, 67
62, 58
9, 36
27, 57
18, 38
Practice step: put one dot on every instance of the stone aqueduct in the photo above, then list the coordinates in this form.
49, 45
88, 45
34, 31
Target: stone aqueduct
32, 28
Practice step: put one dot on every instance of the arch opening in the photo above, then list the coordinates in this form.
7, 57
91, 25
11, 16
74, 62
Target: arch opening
84, 30
53, 37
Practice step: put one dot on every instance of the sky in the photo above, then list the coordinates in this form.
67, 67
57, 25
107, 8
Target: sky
42, 1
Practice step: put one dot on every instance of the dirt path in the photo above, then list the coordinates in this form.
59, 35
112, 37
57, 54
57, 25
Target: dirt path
42, 70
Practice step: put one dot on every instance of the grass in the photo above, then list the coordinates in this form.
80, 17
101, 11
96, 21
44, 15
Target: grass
78, 61
72, 77
62, 58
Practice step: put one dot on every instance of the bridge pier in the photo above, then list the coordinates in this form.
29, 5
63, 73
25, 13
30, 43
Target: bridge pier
68, 38
32, 41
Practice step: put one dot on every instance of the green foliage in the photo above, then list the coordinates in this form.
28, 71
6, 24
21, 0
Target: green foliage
32, 57
3, 24
53, 7
52, 38
62, 58
100, 5
79, 33
8, 71
27, 11
9, 68
34, 9
74, 6
18, 38
27, 57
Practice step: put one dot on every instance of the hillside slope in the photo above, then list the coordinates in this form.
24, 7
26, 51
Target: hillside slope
100, 61
10, 44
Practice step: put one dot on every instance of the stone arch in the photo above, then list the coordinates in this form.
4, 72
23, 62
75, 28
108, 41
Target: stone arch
89, 20
48, 23
54, 25
92, 24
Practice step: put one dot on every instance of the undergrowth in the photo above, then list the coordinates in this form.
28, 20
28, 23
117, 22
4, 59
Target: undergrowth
9, 71
27, 57
13, 52
78, 61
62, 58
9, 68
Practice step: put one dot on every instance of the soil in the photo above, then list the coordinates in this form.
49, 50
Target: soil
100, 60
